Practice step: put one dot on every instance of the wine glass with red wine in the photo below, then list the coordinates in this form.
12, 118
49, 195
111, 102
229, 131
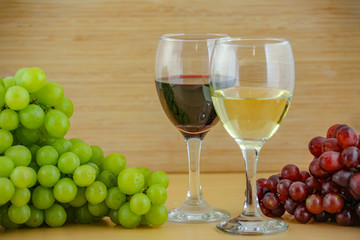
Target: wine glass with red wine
182, 83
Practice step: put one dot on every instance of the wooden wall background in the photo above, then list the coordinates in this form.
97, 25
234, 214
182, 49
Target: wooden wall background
103, 52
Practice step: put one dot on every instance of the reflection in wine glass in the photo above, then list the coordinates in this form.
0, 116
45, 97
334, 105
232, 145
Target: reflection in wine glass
261, 76
182, 83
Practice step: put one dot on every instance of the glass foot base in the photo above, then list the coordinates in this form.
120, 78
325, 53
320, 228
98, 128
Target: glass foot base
252, 226
197, 214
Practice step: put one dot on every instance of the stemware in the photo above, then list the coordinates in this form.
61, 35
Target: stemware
182, 72
252, 83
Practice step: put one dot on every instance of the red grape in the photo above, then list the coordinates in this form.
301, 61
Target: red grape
354, 195
272, 182
330, 144
338, 128
301, 214
264, 210
330, 161
314, 204
342, 177
278, 212
298, 191
271, 201
333, 202
313, 185
260, 193
354, 183
290, 205
261, 182
350, 157
315, 146
283, 187
322, 217
346, 217
328, 187
347, 137
331, 130
291, 172
316, 171
304, 175
357, 209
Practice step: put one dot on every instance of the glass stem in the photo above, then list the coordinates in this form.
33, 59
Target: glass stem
194, 195
251, 154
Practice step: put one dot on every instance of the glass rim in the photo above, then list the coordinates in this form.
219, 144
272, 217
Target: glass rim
253, 41
193, 37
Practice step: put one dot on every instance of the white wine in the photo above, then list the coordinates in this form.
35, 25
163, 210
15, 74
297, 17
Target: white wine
251, 113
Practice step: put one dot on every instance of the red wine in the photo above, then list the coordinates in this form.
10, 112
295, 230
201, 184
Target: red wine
187, 103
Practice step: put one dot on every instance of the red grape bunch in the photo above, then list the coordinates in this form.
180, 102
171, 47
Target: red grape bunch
329, 191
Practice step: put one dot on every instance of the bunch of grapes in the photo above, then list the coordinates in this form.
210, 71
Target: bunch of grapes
48, 179
329, 191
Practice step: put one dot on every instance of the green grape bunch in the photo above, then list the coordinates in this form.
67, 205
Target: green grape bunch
48, 180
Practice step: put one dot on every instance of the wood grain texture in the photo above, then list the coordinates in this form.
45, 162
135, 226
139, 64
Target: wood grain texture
103, 54
219, 190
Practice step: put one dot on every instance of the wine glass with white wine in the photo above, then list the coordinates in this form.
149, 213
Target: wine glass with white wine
252, 83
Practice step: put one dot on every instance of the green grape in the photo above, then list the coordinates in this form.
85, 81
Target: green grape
159, 177
62, 145
42, 197
20, 155
55, 216
32, 117
32, 79
48, 175
5, 221
21, 197
66, 106
115, 163
144, 221
47, 155
131, 181
157, 194
70, 212
140, 203
7, 190
19, 215
96, 192
17, 98
65, 190
98, 210
9, 82
146, 172
33, 149
26, 136
107, 178
82, 150
93, 165
75, 140
157, 215
2, 96
83, 215
36, 217
18, 75
97, 155
3, 85
115, 198
9, 119
6, 166
84, 175
6, 140
113, 214
51, 94
21, 177
128, 218
33, 178
68, 162
56, 123
79, 199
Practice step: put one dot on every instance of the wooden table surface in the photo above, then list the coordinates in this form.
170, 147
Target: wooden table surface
221, 190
